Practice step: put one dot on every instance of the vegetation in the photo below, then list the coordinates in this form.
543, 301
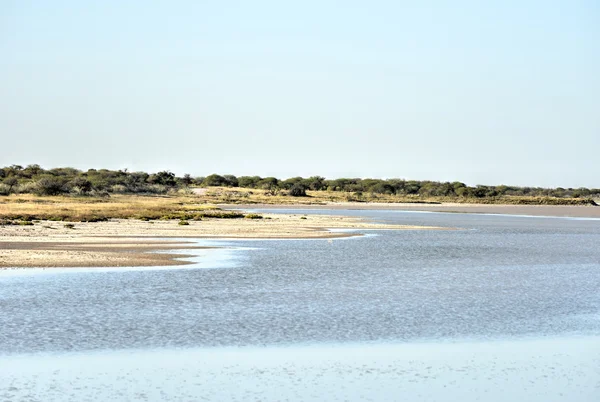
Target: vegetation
96, 209
102, 184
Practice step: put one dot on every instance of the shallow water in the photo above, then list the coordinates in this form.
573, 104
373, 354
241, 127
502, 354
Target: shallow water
497, 279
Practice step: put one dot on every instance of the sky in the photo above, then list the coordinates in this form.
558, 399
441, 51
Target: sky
484, 92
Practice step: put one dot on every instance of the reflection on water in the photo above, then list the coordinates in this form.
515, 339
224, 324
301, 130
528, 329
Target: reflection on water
497, 278
504, 277
538, 370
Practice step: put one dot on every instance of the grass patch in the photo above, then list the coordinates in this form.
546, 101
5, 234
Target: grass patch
93, 209
14, 209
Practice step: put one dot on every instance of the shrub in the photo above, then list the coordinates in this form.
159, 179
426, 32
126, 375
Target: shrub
298, 190
26, 188
81, 185
165, 178
183, 223
11, 182
118, 189
253, 216
69, 226
50, 186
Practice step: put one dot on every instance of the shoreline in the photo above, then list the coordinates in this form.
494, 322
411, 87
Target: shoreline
128, 242
37, 254
566, 211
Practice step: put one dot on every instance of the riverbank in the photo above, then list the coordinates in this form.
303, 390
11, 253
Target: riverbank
130, 242
572, 211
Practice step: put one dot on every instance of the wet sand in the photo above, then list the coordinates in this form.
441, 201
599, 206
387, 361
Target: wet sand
111, 244
44, 254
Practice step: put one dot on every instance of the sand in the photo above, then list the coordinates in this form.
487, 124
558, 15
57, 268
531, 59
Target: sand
50, 244
110, 244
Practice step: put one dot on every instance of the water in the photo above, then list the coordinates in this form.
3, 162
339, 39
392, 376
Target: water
498, 280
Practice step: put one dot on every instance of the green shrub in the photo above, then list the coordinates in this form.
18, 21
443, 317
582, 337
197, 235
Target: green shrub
26, 223
50, 186
253, 216
183, 223
298, 190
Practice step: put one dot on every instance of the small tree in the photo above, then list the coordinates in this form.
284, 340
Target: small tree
83, 184
50, 186
165, 178
298, 190
186, 180
11, 182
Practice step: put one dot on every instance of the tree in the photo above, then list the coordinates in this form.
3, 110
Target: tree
186, 180
50, 186
315, 183
298, 190
231, 180
214, 180
268, 182
165, 178
10, 182
81, 183
249, 181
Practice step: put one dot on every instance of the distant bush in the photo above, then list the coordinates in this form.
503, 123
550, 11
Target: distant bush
51, 186
26, 188
253, 216
4, 189
165, 178
69, 226
298, 190
118, 189
11, 183
80, 185
33, 179
183, 223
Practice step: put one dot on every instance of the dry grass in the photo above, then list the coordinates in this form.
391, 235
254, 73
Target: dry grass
24, 208
226, 195
90, 209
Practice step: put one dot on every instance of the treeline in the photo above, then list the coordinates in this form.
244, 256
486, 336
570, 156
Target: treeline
34, 179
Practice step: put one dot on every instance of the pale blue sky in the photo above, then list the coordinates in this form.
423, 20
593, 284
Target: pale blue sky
504, 92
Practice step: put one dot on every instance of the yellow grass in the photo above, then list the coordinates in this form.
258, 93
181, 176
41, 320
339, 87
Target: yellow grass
227, 195
65, 208
197, 206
